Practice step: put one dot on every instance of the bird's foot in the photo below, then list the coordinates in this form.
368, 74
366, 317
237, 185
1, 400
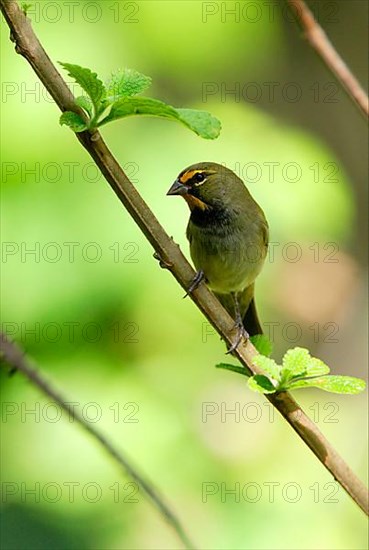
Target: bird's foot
242, 334
198, 278
163, 264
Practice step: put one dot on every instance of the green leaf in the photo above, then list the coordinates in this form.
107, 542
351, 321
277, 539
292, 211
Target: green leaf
261, 384
85, 103
317, 367
295, 363
298, 363
127, 82
88, 82
200, 122
74, 121
262, 344
268, 365
334, 384
234, 368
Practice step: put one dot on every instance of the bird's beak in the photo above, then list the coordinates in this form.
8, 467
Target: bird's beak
178, 189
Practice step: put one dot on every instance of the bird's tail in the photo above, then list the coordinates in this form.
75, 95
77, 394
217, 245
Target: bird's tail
251, 320
247, 308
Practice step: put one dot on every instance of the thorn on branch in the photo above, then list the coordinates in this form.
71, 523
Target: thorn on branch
163, 263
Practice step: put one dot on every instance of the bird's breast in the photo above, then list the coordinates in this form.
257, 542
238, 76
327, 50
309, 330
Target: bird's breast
231, 254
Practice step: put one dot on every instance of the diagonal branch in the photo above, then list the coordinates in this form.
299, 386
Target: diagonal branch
323, 46
28, 45
14, 356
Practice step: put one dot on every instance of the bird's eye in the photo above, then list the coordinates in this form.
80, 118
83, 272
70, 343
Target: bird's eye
198, 178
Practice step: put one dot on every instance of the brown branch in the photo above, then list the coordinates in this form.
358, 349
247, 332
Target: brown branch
324, 48
28, 45
14, 356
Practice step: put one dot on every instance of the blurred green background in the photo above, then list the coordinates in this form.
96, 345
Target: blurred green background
109, 328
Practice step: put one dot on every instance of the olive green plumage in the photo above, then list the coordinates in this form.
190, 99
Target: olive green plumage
228, 235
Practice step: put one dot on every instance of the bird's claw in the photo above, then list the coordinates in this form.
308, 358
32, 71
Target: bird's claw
198, 278
242, 334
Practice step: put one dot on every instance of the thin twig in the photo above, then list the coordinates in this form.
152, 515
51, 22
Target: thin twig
323, 46
14, 356
28, 45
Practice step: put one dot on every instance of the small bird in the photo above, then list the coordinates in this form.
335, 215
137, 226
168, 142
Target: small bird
228, 236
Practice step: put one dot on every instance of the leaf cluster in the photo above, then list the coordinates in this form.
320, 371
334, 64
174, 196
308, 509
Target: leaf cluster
119, 98
298, 370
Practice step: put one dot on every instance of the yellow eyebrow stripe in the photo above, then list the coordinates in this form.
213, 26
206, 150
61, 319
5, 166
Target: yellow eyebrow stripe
188, 175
